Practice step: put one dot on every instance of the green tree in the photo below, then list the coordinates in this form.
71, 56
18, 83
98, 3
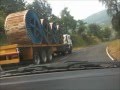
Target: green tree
81, 27
56, 19
113, 9
95, 30
116, 23
106, 33
2, 18
67, 21
113, 6
10, 6
2, 36
41, 7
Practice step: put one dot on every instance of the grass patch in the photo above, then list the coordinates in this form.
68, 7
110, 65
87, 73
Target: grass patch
77, 48
114, 49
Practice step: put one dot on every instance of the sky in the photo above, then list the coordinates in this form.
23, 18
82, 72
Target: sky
79, 9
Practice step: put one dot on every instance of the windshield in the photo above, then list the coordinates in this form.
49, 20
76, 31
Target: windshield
48, 36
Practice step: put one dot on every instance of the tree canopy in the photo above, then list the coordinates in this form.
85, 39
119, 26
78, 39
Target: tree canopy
41, 7
10, 6
81, 26
68, 21
113, 6
95, 30
113, 9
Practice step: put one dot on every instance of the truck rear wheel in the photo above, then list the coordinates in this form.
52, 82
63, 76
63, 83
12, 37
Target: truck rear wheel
1, 68
43, 56
49, 55
70, 49
63, 53
36, 58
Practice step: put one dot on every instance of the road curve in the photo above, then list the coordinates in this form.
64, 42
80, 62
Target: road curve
96, 53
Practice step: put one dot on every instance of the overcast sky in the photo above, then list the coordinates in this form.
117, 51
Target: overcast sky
80, 9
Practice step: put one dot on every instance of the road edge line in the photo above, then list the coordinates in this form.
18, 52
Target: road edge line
109, 54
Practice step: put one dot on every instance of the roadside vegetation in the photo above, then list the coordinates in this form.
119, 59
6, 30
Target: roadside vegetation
82, 33
114, 49
113, 9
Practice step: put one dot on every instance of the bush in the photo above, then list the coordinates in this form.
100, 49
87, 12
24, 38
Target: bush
77, 41
84, 40
90, 40
2, 38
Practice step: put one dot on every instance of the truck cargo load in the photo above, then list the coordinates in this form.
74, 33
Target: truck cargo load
32, 39
25, 27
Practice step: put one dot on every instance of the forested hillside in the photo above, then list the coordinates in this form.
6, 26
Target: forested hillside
99, 18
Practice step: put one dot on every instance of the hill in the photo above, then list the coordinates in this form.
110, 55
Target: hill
99, 18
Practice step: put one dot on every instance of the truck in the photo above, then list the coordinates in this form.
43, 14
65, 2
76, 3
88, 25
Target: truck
23, 48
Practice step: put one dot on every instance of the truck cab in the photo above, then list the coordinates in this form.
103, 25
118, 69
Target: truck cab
67, 39
67, 45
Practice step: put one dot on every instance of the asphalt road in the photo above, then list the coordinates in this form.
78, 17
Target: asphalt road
96, 53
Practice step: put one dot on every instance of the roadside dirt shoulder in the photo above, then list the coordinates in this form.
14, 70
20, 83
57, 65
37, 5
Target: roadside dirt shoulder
114, 49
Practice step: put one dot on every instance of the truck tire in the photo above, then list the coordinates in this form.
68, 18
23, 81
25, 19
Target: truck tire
1, 68
63, 53
49, 55
43, 56
70, 50
36, 58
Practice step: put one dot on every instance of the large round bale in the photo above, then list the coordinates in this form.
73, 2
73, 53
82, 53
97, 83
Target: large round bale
23, 27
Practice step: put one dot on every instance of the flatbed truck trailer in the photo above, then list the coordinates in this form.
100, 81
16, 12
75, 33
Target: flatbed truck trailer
32, 39
37, 53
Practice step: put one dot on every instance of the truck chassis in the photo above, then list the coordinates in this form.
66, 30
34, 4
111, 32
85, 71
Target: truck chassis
37, 53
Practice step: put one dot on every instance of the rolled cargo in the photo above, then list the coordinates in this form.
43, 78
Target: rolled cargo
54, 33
59, 34
24, 27
47, 31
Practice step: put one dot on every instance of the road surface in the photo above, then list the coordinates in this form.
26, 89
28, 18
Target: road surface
96, 53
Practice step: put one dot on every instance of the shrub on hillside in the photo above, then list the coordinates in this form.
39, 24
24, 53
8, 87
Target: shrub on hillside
90, 40
77, 41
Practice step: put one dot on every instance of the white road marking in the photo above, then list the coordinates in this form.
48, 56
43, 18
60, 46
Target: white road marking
109, 54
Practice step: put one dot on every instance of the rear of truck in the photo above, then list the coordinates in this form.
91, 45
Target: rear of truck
15, 53
9, 54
